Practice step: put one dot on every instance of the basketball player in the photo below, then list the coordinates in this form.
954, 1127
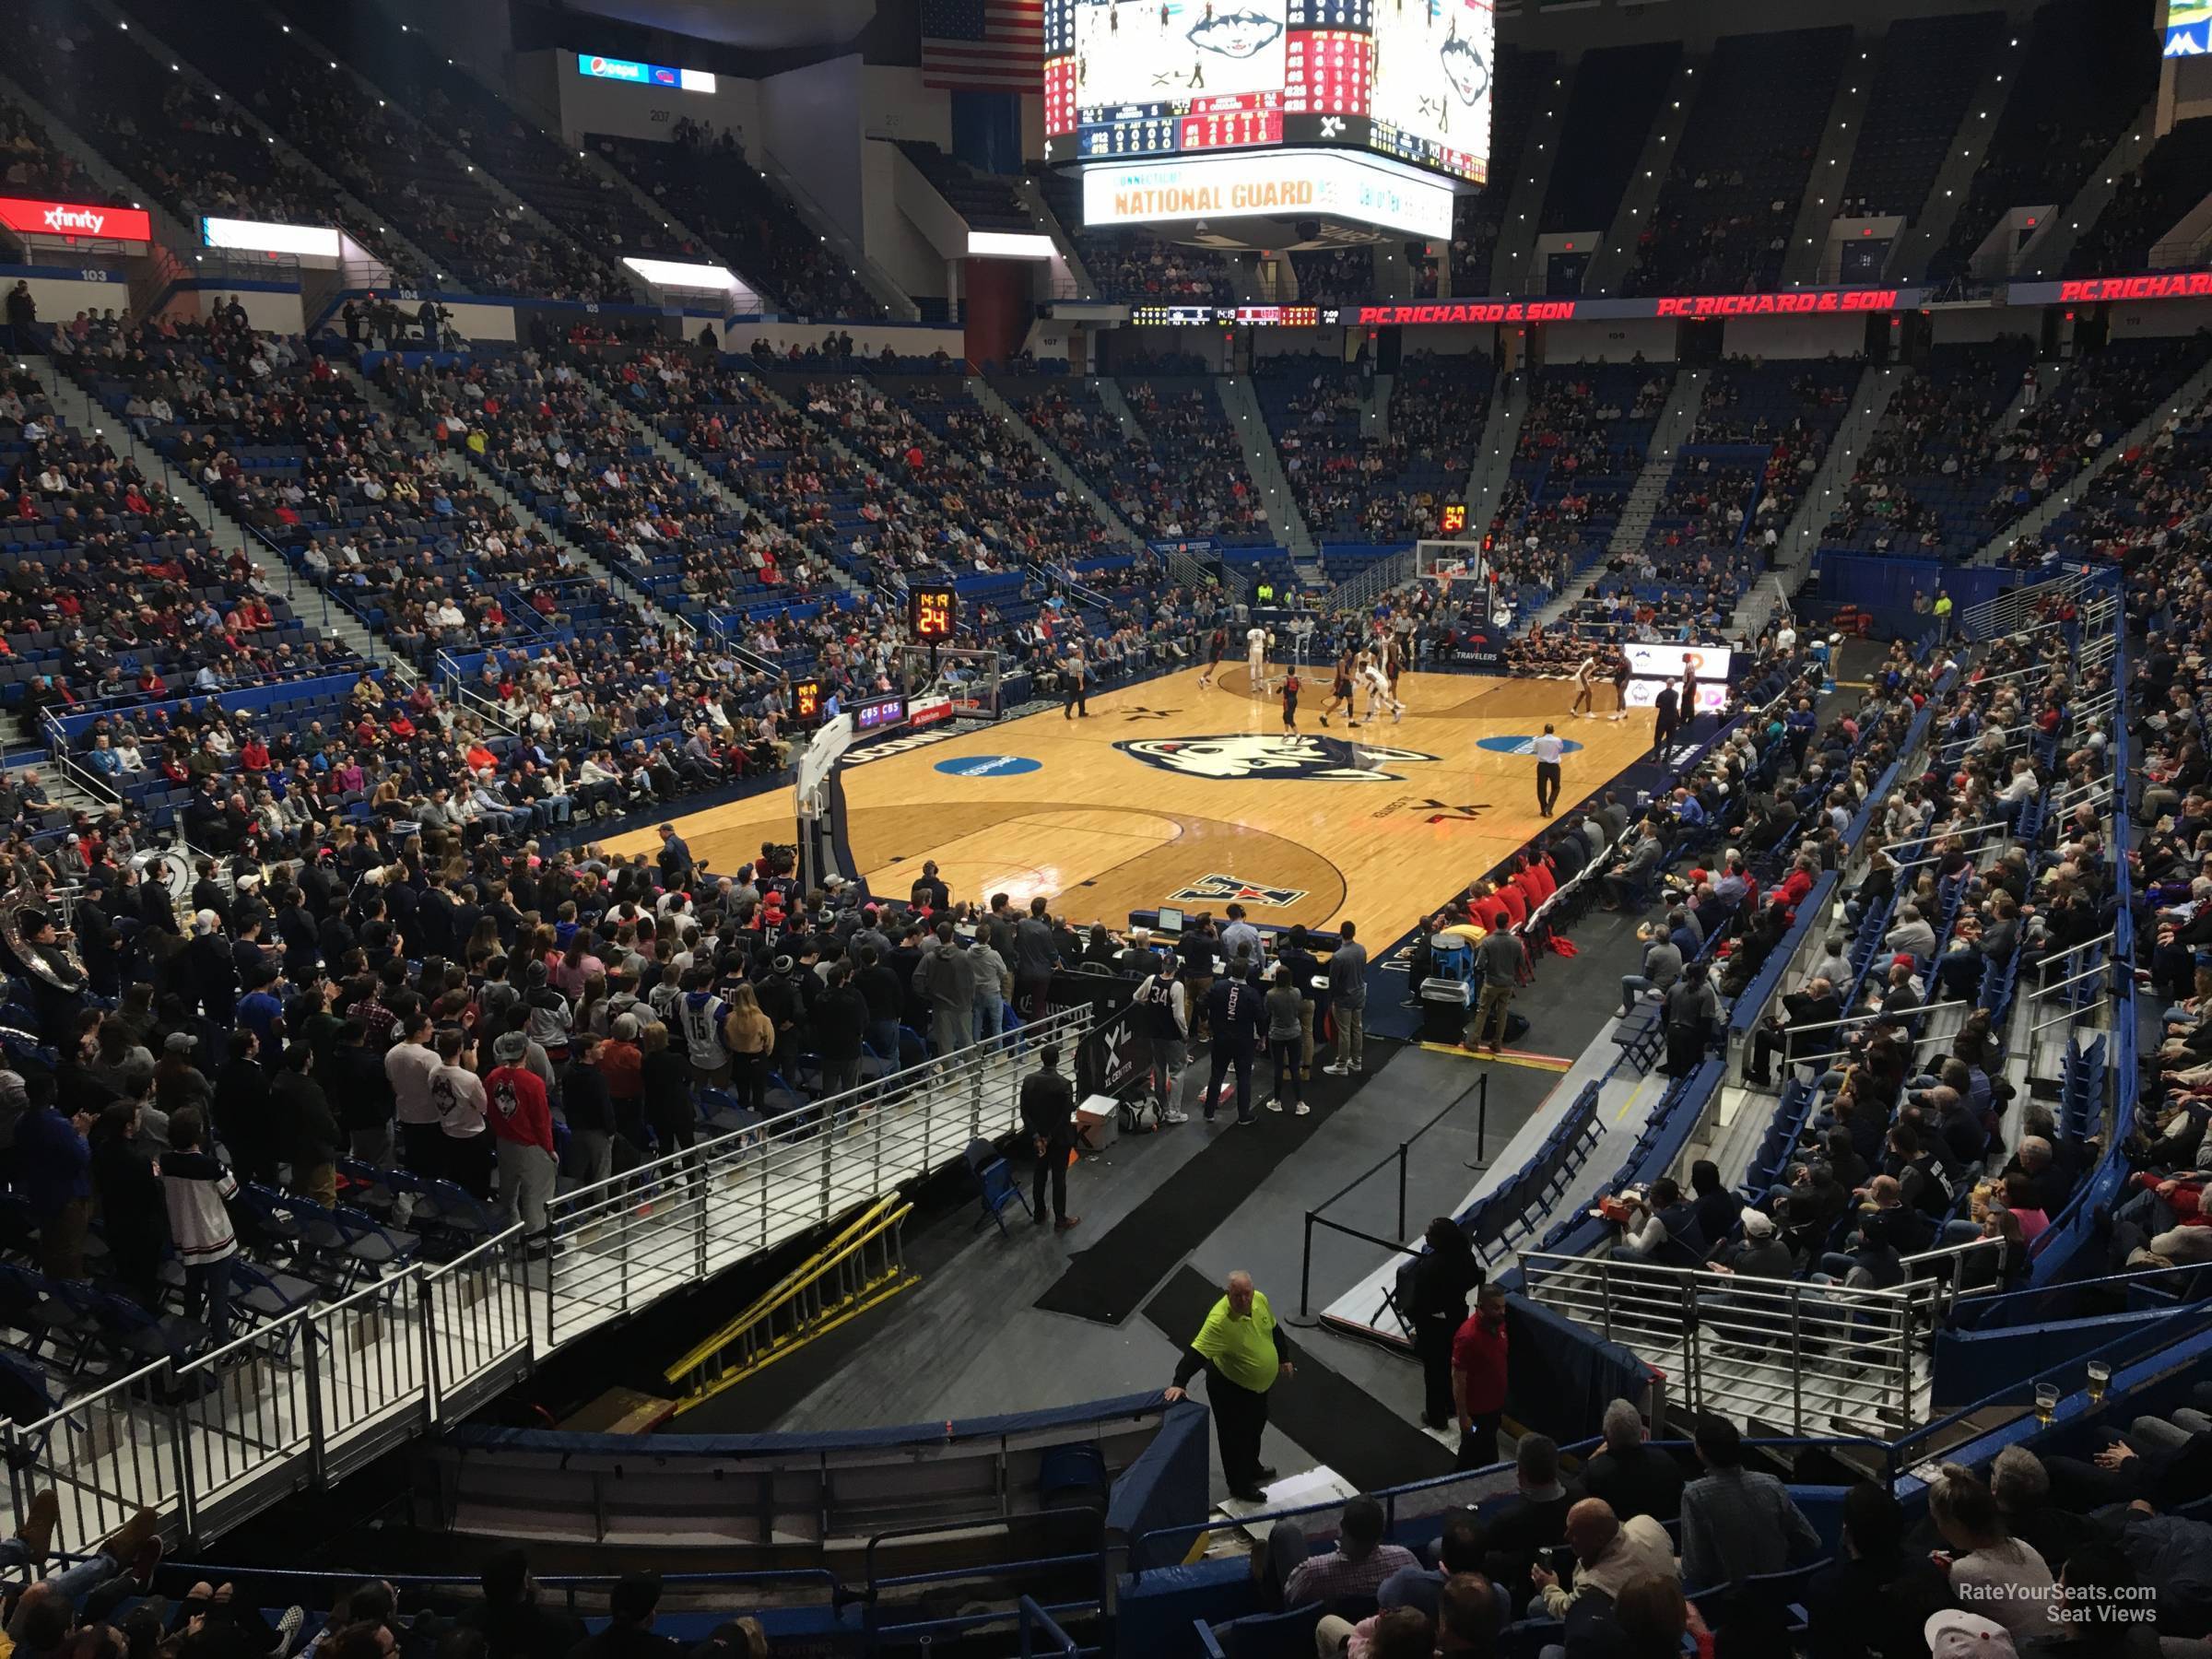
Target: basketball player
1163, 1019
1340, 691
1290, 701
1620, 686
1215, 648
1586, 681
1378, 694
1255, 660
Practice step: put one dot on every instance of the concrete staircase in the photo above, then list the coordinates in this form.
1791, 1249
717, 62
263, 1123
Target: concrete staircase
826, 225
571, 554
1831, 166
1513, 256
1486, 478
1116, 526
2192, 392
1241, 405
1675, 423
241, 109
1931, 227
1610, 266
1109, 393
516, 207
1033, 199
1801, 536
76, 406
1374, 414
2046, 256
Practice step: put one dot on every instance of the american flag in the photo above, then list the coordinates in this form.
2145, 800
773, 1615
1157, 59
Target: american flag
983, 45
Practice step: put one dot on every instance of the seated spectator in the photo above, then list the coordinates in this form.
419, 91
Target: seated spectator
1357, 1567
1737, 1523
1632, 1477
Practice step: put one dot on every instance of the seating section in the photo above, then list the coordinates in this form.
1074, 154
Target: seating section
115, 591
1944, 474
1727, 205
1609, 112
1361, 489
2085, 78
1136, 265
1184, 474
983, 201
401, 168
708, 182
1580, 452
32, 164
1926, 69
1921, 482
1523, 79
2152, 200
191, 147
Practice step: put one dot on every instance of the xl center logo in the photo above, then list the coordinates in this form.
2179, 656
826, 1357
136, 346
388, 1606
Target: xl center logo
1300, 757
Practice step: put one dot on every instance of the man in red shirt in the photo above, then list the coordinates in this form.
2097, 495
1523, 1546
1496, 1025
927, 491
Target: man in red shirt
522, 1123
1478, 1378
1487, 908
1515, 902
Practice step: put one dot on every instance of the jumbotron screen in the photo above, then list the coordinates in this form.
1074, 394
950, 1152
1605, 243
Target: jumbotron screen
1405, 78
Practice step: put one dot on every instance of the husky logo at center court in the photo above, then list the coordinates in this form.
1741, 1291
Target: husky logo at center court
1243, 754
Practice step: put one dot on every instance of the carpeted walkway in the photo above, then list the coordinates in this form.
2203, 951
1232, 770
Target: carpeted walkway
1333, 1420
1110, 1281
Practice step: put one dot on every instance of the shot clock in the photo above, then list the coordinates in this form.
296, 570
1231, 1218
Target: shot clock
934, 610
1452, 519
807, 698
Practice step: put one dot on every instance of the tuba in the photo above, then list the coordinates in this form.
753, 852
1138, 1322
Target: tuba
57, 964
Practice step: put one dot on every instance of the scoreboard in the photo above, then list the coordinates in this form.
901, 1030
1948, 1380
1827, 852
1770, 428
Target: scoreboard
1410, 80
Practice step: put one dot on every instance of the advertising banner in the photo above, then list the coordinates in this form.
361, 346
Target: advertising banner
76, 219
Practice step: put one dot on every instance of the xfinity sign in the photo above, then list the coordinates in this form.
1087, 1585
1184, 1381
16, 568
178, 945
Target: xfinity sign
1275, 184
75, 219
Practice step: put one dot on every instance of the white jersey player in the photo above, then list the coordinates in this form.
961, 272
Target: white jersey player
1376, 679
1255, 660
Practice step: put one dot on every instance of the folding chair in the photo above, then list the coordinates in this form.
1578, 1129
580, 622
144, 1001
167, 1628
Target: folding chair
995, 1185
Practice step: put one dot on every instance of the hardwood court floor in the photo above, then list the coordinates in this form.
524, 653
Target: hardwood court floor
1172, 794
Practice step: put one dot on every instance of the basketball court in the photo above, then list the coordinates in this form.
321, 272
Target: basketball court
1171, 795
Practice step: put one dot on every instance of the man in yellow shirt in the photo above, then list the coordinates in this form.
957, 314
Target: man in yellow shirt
1244, 1354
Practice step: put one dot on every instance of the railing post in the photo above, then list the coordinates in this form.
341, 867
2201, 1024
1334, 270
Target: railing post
427, 1320
1402, 1145
1796, 1361
317, 1454
180, 1447
1305, 1271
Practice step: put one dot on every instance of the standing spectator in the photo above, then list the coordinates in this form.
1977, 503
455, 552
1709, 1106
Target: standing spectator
1235, 1010
1243, 1353
1348, 1002
523, 1124
590, 1110
199, 1189
1439, 1278
840, 1021
1502, 958
303, 1111
1048, 1113
54, 1170
1478, 1378
458, 1094
1034, 960
1284, 1004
